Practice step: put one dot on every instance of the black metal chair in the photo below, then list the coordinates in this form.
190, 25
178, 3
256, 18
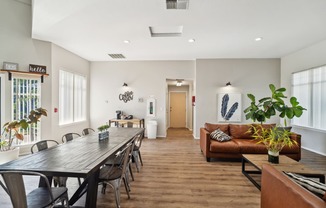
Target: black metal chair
113, 174
136, 151
42, 145
69, 137
40, 197
87, 131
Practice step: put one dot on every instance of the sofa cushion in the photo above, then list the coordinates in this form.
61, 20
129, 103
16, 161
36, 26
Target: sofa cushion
317, 188
211, 127
250, 146
224, 147
240, 131
220, 136
293, 149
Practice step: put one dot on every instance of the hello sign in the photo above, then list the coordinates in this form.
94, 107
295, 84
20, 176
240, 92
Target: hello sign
37, 69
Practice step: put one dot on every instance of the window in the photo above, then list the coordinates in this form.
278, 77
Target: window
26, 96
309, 87
72, 97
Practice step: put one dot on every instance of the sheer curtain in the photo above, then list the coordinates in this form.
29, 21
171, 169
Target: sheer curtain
66, 96
309, 87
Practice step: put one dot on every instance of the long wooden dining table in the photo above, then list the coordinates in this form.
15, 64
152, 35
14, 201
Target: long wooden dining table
81, 157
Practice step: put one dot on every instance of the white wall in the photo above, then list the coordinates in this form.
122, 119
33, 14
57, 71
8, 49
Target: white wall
17, 46
312, 56
63, 59
144, 79
246, 76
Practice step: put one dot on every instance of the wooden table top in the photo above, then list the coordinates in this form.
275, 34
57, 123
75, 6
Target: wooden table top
285, 164
77, 158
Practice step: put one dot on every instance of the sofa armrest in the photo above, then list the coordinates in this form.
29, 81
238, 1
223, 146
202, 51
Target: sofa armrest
205, 141
277, 190
297, 137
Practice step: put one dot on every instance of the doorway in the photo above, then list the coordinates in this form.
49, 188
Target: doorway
178, 109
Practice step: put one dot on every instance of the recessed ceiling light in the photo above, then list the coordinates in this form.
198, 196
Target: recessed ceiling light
259, 39
126, 41
191, 40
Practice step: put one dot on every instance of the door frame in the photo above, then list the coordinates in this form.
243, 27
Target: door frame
185, 104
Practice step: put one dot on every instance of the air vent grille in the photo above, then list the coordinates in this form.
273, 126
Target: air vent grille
177, 4
117, 56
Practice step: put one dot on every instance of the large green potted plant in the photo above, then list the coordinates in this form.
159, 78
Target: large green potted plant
11, 131
272, 105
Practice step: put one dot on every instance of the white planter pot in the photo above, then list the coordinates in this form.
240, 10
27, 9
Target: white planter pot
7, 156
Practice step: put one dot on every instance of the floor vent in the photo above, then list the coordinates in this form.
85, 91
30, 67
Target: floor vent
177, 4
117, 56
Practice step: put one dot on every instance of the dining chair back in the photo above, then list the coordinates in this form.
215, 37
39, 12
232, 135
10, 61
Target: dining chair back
87, 131
113, 174
136, 151
42, 145
69, 137
39, 197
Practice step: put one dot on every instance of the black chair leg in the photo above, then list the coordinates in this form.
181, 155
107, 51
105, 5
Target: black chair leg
141, 161
131, 174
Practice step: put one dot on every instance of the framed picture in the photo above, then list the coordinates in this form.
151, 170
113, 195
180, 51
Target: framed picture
10, 66
151, 107
229, 107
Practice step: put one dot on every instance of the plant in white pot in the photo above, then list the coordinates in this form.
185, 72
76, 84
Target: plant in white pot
11, 131
274, 139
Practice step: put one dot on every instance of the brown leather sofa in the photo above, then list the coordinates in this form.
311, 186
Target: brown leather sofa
242, 142
277, 190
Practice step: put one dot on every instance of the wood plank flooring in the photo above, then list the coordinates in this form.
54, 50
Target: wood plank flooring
175, 174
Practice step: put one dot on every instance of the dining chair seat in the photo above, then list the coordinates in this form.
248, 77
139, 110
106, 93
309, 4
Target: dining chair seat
40, 197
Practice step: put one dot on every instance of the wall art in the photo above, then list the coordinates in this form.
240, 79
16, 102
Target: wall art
229, 107
127, 96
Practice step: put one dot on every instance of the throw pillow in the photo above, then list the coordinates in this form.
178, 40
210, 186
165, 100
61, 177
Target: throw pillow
220, 136
313, 186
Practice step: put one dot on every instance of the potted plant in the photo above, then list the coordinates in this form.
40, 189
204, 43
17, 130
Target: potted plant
11, 131
103, 132
274, 139
267, 107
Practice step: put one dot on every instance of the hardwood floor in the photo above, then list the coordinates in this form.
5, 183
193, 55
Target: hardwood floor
175, 174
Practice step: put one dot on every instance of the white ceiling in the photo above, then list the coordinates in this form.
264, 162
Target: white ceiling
222, 28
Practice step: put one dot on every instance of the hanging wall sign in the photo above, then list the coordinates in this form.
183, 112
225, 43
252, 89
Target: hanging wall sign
127, 96
37, 69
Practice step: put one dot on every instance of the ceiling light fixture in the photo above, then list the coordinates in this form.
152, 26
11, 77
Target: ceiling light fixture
191, 40
259, 39
179, 82
124, 85
228, 84
126, 41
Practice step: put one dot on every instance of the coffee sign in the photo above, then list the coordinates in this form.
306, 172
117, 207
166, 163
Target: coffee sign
37, 69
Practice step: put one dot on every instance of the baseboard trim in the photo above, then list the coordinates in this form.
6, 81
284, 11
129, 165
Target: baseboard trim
311, 150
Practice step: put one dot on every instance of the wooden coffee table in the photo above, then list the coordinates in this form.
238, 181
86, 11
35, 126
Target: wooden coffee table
285, 164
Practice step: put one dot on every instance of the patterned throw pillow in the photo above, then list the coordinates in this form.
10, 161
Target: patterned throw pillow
315, 187
220, 136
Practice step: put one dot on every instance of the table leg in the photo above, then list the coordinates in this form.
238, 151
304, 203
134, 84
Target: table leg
91, 197
247, 173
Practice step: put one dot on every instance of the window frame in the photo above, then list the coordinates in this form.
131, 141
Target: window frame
84, 95
310, 88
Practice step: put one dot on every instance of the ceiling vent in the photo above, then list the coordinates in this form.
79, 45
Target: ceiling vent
169, 31
177, 4
117, 56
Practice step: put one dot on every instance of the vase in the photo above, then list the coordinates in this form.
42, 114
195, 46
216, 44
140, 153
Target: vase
9, 155
273, 157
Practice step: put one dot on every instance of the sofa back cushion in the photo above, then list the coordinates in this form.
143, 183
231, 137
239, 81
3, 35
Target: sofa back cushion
240, 131
211, 127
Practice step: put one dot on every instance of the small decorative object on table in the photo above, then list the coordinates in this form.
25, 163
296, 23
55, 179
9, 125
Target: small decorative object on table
103, 132
274, 139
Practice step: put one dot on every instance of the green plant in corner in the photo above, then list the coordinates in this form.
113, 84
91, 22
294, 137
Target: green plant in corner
11, 130
267, 107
